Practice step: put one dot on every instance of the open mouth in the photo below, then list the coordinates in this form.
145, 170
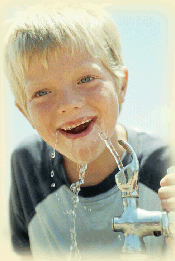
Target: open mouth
82, 129
78, 129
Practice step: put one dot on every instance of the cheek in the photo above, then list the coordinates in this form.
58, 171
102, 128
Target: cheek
111, 112
40, 111
41, 120
41, 115
106, 102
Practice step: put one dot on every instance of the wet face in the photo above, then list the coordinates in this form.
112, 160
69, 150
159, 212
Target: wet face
75, 97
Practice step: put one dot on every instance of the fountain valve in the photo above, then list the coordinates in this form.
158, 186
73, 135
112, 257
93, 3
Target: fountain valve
136, 223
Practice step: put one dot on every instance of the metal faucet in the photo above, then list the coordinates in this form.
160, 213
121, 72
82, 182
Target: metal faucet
136, 223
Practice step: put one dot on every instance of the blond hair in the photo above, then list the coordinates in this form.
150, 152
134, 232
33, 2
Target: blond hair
42, 29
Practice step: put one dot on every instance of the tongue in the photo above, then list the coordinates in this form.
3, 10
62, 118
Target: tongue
79, 128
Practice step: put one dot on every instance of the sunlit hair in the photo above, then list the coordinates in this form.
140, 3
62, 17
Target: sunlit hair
73, 28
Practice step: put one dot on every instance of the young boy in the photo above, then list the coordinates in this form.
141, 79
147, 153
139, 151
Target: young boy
67, 74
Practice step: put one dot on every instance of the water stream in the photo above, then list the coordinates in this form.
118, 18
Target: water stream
110, 146
75, 187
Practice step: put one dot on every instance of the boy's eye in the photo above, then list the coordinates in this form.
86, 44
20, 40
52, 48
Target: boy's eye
86, 79
41, 93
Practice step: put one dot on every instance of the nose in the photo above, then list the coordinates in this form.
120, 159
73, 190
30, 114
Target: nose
70, 100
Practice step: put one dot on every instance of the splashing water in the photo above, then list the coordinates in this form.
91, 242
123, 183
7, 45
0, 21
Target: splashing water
119, 237
87, 209
75, 187
110, 146
52, 174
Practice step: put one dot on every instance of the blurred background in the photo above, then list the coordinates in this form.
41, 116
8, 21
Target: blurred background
147, 35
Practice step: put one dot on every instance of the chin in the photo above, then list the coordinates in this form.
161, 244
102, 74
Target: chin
86, 156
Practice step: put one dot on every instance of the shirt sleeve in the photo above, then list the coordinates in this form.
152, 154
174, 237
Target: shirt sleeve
18, 227
155, 159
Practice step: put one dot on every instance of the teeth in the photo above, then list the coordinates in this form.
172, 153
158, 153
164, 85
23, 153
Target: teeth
73, 126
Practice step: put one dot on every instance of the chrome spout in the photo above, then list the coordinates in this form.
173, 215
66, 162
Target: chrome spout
136, 223
127, 178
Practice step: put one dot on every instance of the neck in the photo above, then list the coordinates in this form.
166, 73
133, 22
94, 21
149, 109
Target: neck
101, 167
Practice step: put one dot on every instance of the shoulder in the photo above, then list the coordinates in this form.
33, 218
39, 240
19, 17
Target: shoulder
146, 143
31, 163
154, 156
33, 141
32, 147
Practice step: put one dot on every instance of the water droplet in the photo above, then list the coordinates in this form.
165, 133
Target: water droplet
52, 185
52, 173
53, 154
89, 210
81, 181
84, 207
58, 199
81, 167
76, 199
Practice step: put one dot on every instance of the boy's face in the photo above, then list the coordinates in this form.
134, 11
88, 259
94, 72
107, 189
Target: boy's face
74, 90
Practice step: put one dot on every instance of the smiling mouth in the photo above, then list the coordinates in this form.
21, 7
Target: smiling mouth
78, 129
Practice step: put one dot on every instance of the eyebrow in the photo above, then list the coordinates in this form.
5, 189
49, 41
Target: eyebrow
95, 66
36, 83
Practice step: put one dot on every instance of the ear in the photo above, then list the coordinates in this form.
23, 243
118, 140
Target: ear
122, 91
22, 111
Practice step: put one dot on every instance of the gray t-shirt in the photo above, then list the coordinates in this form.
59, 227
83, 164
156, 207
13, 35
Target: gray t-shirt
40, 219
